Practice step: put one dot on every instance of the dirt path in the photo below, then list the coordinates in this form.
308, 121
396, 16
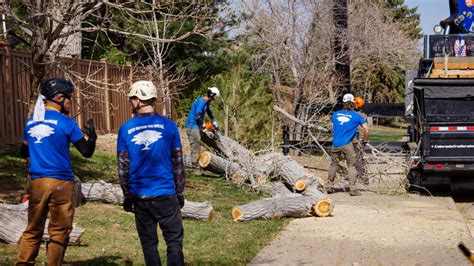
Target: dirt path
373, 230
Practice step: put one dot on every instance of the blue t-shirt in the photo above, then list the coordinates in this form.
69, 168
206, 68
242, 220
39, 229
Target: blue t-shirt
149, 140
345, 125
199, 106
48, 144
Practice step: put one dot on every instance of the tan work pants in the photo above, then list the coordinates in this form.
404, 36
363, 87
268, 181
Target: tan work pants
344, 152
56, 197
194, 137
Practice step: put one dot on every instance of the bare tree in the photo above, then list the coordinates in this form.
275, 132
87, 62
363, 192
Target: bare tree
50, 24
296, 36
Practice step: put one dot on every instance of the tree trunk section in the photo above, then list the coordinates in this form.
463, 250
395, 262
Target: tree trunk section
218, 165
286, 206
324, 206
102, 191
198, 210
14, 219
228, 148
113, 194
264, 209
279, 190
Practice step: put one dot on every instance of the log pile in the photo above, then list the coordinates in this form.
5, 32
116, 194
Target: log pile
295, 192
13, 221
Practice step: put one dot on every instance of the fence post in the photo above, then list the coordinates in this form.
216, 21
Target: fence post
78, 91
130, 76
108, 124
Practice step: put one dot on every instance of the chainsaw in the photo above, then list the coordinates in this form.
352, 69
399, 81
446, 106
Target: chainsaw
210, 131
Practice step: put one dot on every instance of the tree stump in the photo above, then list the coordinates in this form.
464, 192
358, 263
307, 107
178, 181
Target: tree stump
14, 219
198, 210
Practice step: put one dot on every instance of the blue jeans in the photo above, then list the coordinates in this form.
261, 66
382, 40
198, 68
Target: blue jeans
164, 211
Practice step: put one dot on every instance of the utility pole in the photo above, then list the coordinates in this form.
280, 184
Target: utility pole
341, 47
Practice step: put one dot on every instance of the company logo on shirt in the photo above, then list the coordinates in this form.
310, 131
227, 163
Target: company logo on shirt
343, 118
40, 131
146, 138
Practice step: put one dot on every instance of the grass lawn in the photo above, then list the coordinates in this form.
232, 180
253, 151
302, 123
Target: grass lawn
379, 133
111, 238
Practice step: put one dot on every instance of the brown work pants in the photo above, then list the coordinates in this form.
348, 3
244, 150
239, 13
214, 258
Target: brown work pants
344, 152
56, 197
361, 163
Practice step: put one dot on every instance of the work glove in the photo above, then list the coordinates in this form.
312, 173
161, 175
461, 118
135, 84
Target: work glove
214, 123
181, 201
89, 130
128, 204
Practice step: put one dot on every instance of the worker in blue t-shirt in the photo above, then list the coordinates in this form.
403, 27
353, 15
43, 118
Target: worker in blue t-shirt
151, 172
345, 123
194, 124
46, 140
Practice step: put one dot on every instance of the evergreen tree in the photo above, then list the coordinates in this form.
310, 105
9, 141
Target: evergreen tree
408, 16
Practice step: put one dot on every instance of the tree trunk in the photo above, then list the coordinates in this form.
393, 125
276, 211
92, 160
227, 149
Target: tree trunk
285, 168
221, 166
324, 205
113, 194
198, 210
102, 191
264, 209
286, 206
279, 190
228, 148
267, 164
14, 219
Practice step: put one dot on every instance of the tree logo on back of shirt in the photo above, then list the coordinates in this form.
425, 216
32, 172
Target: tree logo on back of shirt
146, 138
342, 118
41, 131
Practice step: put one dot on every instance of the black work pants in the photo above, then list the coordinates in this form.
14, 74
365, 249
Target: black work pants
164, 211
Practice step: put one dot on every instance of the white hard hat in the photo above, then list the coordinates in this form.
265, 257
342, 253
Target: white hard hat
143, 90
348, 98
213, 92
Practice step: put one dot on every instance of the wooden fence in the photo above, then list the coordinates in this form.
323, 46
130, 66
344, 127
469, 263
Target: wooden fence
100, 93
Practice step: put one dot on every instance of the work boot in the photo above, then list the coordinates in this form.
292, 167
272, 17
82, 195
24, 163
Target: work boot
354, 193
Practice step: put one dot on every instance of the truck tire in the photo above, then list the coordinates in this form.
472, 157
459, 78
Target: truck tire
414, 180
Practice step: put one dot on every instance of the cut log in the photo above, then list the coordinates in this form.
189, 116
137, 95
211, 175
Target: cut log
264, 209
198, 210
112, 193
228, 149
267, 163
14, 219
286, 169
102, 191
287, 206
218, 165
324, 205
280, 190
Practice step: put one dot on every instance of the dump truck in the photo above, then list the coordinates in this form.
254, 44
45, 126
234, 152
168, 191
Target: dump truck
440, 104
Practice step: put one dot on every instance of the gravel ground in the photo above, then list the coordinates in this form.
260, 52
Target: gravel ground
373, 230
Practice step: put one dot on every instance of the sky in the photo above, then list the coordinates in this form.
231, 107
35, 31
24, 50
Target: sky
431, 11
